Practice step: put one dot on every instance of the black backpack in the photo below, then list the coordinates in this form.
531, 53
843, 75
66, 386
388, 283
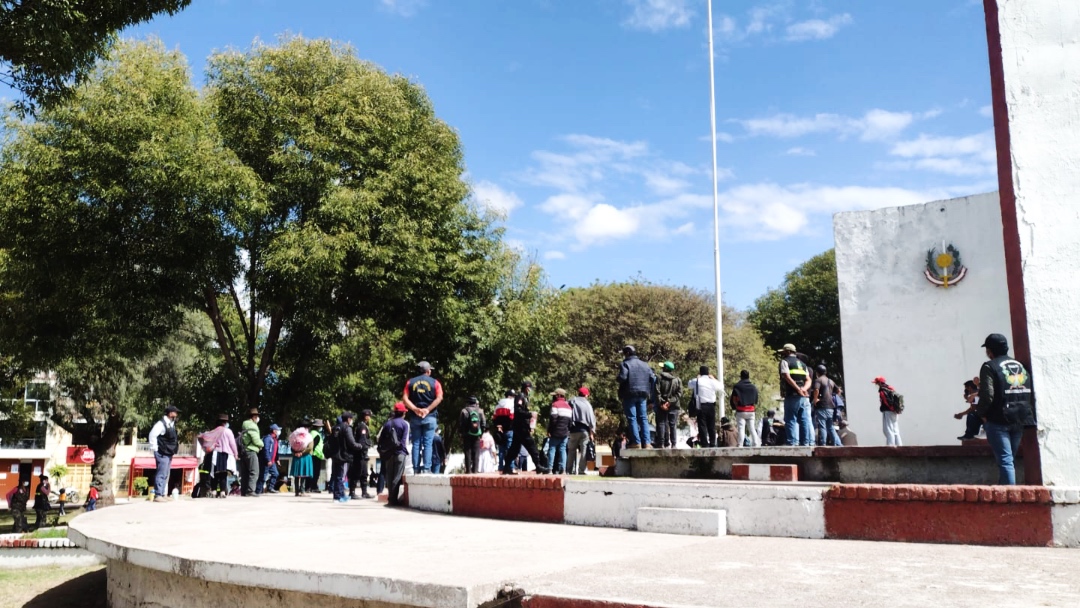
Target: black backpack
474, 428
388, 442
894, 399
332, 445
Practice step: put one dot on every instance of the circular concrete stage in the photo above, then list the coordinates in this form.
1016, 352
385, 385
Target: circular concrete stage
280, 551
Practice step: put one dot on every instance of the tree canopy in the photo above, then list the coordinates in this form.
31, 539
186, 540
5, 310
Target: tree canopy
46, 46
805, 311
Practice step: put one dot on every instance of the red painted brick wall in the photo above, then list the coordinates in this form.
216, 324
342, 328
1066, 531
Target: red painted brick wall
982, 515
525, 498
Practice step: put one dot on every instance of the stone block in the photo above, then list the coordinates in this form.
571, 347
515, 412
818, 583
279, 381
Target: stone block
690, 522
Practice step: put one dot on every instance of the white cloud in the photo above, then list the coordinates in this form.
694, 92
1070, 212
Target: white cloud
658, 15
768, 211
875, 125
986, 111
797, 151
604, 222
515, 244
554, 255
493, 198
971, 155
404, 8
817, 29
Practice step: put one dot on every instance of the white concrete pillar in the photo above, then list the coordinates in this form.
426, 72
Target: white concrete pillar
1035, 70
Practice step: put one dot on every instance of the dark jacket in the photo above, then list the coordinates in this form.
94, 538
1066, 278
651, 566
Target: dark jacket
347, 447
669, 389
729, 437
399, 427
269, 449
465, 424
18, 500
559, 422
363, 436
744, 395
635, 378
1005, 395
41, 497
522, 413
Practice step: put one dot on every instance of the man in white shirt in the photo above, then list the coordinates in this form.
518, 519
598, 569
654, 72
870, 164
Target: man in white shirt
164, 443
707, 390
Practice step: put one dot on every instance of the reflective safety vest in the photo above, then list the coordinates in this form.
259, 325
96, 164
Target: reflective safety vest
797, 370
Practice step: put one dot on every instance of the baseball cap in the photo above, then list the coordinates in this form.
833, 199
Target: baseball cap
274, 427
879, 380
559, 392
365, 413
789, 347
399, 407
526, 384
172, 410
584, 391
473, 401
995, 340
347, 415
669, 365
424, 366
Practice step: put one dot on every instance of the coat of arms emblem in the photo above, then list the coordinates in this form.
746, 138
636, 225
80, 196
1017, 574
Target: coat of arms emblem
943, 266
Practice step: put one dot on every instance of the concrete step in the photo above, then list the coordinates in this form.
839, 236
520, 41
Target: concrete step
765, 472
688, 522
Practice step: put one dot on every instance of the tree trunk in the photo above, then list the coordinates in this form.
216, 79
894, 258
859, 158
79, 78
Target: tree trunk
104, 448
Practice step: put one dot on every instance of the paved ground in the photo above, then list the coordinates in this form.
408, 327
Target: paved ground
442, 556
53, 587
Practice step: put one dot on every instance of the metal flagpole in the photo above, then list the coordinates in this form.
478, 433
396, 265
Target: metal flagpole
716, 207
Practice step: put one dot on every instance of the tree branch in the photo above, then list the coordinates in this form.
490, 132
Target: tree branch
276, 321
214, 313
248, 335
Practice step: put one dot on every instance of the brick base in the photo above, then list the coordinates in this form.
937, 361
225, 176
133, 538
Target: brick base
523, 498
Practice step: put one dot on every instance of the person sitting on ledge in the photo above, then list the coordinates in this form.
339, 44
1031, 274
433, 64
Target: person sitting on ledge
972, 423
729, 437
847, 436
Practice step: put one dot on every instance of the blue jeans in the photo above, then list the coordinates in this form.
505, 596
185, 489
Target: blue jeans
823, 421
338, 472
503, 448
161, 477
1004, 441
797, 420
557, 447
422, 432
637, 421
269, 479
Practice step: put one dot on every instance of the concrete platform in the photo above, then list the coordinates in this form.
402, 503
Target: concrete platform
945, 464
278, 551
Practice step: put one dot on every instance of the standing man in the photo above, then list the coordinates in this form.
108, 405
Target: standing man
891, 405
582, 431
41, 500
358, 472
668, 393
268, 459
523, 430
17, 504
472, 425
392, 442
421, 396
635, 380
824, 408
707, 390
744, 398
1005, 404
164, 443
795, 389
344, 455
251, 443
503, 419
558, 431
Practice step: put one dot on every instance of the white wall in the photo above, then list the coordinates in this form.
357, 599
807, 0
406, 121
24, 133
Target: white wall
924, 339
1040, 42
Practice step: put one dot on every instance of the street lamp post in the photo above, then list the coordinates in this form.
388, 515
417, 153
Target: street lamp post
716, 205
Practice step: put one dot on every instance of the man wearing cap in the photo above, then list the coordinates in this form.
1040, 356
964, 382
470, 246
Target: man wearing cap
421, 397
582, 431
668, 394
471, 425
795, 389
251, 444
268, 459
164, 443
890, 412
1006, 404
636, 380
347, 448
393, 462
358, 471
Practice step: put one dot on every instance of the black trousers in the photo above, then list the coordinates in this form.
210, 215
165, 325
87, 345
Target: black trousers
667, 424
358, 473
472, 452
394, 468
522, 439
973, 424
316, 470
706, 423
210, 480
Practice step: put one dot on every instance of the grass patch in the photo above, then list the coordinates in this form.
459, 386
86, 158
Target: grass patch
7, 521
60, 532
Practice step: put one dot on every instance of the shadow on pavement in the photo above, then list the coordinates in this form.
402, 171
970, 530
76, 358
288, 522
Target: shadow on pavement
86, 591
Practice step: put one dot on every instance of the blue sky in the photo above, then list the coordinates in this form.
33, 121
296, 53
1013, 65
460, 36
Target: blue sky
586, 121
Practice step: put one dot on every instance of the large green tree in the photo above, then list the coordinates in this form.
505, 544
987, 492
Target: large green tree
664, 323
47, 46
111, 206
805, 311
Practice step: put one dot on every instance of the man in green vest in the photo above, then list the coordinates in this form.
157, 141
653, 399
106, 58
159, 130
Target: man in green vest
251, 440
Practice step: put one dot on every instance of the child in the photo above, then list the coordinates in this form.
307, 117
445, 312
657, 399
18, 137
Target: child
91, 499
488, 456
234, 489
62, 501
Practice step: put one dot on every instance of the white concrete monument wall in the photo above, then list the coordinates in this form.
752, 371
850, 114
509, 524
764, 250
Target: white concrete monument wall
1036, 86
895, 323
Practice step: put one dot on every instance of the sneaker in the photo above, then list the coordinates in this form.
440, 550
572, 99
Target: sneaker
161, 499
366, 495
633, 446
